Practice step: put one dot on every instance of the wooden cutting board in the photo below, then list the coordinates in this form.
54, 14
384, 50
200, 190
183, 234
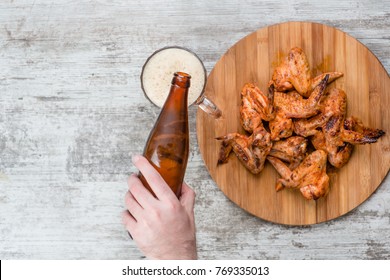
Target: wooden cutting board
253, 59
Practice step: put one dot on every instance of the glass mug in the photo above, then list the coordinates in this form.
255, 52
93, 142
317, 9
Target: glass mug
157, 74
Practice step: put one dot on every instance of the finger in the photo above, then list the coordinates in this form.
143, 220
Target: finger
187, 198
140, 193
132, 205
154, 179
129, 221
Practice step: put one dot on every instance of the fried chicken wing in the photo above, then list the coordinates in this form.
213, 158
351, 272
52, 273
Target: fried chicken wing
309, 177
292, 150
338, 156
332, 77
294, 72
292, 105
250, 150
333, 133
325, 128
333, 106
255, 107
281, 126
355, 132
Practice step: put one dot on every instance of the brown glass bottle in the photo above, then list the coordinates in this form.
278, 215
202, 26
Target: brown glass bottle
167, 146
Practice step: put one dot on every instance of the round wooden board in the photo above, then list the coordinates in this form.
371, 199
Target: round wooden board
253, 59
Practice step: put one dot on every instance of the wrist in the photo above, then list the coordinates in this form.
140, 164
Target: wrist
184, 251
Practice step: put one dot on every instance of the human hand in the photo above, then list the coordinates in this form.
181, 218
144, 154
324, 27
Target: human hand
163, 227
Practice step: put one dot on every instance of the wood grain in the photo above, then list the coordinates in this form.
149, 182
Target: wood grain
253, 59
72, 112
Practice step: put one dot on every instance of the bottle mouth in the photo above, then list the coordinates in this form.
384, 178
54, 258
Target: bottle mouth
181, 79
183, 74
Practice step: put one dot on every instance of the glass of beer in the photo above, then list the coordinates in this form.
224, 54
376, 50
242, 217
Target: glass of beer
157, 74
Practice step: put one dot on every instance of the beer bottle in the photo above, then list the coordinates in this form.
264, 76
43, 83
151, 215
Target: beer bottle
167, 146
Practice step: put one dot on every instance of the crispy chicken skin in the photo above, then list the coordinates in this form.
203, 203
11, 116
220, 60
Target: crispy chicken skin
281, 126
333, 133
338, 156
355, 132
298, 107
292, 150
255, 107
332, 76
250, 150
294, 72
329, 121
292, 105
309, 177
333, 106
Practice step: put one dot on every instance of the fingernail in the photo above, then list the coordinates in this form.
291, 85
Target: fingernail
135, 158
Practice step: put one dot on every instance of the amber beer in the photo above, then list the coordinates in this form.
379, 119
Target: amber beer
167, 146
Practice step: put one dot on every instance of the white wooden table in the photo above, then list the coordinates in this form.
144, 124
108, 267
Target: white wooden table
72, 112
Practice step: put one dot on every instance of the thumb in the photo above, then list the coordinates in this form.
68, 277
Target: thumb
187, 198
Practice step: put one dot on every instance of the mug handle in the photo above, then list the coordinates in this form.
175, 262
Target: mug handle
208, 106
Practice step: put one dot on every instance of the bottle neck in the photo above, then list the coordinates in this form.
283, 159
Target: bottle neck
176, 104
181, 79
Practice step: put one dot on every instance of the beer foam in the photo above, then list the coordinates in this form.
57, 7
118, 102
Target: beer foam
158, 73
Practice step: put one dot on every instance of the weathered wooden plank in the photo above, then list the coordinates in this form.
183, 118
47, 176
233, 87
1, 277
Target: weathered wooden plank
71, 112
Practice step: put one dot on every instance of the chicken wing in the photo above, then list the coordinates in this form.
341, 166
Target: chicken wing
255, 107
355, 132
250, 150
294, 72
292, 150
338, 156
332, 76
333, 110
281, 126
333, 133
292, 105
309, 177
